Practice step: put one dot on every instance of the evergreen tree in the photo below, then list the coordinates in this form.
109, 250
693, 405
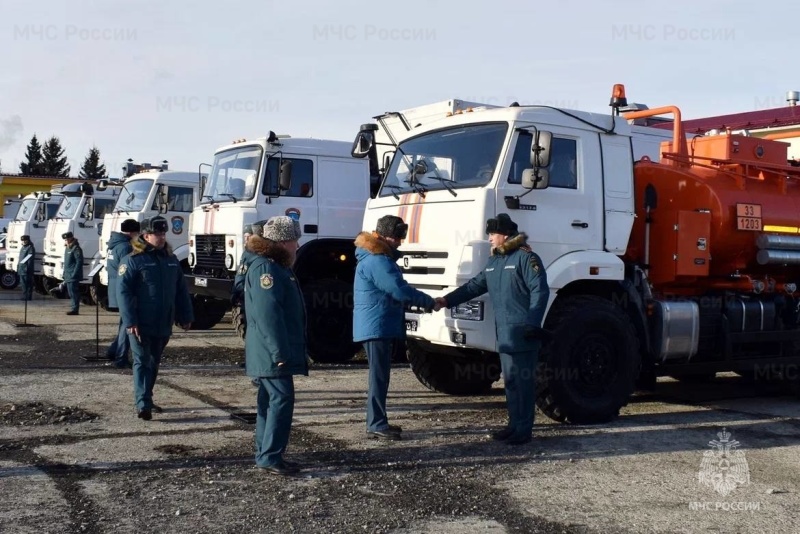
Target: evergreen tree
92, 168
33, 156
54, 162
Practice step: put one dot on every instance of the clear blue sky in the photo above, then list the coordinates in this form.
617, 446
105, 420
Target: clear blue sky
154, 80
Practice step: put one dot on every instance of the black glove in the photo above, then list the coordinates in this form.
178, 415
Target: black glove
534, 333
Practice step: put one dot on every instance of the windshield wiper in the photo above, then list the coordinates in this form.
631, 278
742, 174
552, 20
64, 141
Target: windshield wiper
393, 188
206, 196
445, 183
231, 196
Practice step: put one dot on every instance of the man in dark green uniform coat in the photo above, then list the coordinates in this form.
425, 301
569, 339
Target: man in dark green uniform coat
73, 271
275, 344
25, 270
152, 295
516, 282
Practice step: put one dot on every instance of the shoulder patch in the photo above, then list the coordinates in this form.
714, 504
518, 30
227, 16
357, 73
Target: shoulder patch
266, 281
122, 269
243, 268
535, 265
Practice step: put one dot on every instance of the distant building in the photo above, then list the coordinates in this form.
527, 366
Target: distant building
12, 185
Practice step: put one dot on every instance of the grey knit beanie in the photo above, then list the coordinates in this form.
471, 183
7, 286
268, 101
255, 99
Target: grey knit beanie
282, 228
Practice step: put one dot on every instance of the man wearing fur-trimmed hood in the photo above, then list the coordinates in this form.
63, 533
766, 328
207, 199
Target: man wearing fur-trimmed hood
379, 300
152, 295
516, 282
275, 343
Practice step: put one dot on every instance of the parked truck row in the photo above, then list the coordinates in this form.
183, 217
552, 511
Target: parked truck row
667, 252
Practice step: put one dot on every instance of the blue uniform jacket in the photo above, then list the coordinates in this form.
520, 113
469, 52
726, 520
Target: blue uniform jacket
73, 263
26, 269
119, 246
237, 292
152, 293
380, 292
517, 284
276, 314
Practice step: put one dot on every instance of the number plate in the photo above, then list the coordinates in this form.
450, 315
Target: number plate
748, 210
411, 325
201, 282
748, 223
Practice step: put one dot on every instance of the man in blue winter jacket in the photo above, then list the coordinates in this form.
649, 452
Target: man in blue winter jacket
275, 343
379, 301
516, 282
152, 296
119, 246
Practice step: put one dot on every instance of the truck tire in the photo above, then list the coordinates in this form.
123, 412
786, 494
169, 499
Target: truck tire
239, 321
38, 285
329, 309
207, 312
588, 371
9, 279
99, 293
51, 283
453, 375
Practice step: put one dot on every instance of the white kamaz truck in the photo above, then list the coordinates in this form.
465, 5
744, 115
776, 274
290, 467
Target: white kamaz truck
170, 194
81, 212
313, 181
566, 178
35, 210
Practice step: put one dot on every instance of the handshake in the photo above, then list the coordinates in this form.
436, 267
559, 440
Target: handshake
440, 303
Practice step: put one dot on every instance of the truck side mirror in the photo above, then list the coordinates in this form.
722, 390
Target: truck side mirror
89, 209
540, 148
535, 178
163, 204
102, 185
285, 175
364, 141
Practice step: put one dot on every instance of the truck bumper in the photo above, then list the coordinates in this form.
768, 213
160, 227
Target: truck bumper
209, 287
439, 328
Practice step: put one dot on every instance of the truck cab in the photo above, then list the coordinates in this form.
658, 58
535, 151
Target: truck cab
81, 212
170, 194
315, 182
564, 176
33, 214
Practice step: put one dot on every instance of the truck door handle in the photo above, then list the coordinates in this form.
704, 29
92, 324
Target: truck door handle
580, 224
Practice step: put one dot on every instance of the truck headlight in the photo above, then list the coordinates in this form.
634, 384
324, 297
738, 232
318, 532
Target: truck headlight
229, 261
470, 311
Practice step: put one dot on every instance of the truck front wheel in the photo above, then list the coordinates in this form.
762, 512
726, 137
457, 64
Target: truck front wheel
329, 308
588, 371
207, 312
451, 374
239, 321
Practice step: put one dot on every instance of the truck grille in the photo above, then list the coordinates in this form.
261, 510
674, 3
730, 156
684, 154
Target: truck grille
210, 250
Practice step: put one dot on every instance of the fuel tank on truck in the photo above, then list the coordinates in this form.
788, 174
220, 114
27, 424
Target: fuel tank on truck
725, 215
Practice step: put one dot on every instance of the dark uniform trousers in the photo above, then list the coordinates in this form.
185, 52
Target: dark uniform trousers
518, 375
74, 290
379, 356
27, 285
274, 418
146, 359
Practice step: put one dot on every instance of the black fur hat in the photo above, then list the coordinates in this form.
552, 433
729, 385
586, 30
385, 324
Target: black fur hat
502, 224
392, 226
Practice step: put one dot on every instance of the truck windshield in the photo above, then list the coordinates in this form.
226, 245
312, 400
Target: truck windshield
133, 196
26, 210
454, 158
69, 206
234, 175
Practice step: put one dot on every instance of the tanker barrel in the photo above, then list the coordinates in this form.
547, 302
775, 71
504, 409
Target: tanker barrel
786, 257
781, 242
